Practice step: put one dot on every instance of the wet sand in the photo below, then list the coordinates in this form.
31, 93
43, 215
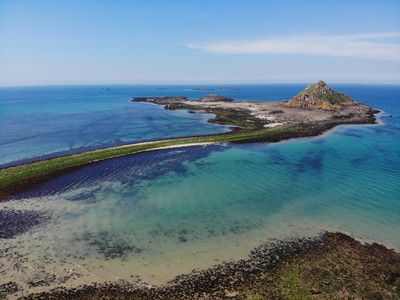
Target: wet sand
264, 275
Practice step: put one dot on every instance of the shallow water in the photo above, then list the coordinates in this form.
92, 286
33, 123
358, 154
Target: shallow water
162, 213
41, 121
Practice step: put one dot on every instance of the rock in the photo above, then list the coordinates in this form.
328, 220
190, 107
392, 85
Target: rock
9, 288
319, 96
215, 98
14, 222
229, 294
260, 274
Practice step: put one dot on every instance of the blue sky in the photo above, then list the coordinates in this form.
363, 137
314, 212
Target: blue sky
207, 41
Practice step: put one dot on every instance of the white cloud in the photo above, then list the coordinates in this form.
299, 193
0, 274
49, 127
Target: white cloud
369, 46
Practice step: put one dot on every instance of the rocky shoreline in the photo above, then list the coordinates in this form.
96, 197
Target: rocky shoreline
318, 105
332, 265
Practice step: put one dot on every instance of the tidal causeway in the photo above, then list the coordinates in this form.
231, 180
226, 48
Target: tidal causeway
170, 222
310, 113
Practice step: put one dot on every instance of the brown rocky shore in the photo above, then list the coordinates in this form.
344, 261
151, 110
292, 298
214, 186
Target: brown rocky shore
331, 266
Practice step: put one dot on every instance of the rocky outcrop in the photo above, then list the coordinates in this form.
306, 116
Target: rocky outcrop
160, 100
317, 104
215, 98
319, 96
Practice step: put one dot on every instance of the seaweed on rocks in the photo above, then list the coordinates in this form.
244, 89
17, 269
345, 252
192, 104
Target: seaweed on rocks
331, 265
9, 288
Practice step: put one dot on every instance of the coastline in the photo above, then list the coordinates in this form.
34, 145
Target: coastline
332, 264
310, 113
120, 289
17, 178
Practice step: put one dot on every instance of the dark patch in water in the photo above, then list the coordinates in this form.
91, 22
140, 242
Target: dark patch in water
387, 129
240, 227
185, 231
109, 245
317, 141
87, 195
14, 222
277, 157
356, 162
311, 162
182, 239
391, 164
126, 170
352, 133
314, 161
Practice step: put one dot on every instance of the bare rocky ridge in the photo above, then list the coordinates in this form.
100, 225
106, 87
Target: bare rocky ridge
320, 96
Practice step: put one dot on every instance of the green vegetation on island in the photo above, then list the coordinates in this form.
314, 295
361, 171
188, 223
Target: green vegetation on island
254, 120
15, 178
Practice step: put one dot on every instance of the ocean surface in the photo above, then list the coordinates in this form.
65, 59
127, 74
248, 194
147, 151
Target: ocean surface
158, 214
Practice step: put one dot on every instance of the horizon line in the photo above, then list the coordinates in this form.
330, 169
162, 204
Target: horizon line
198, 83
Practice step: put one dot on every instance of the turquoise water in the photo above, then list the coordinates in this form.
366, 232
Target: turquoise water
46, 120
162, 213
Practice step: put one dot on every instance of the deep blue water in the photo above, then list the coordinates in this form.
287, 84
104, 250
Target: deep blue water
190, 207
38, 121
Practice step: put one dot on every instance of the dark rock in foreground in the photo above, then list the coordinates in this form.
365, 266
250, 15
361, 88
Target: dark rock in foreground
333, 266
9, 288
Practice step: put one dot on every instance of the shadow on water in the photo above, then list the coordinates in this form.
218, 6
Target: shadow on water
127, 170
352, 133
360, 160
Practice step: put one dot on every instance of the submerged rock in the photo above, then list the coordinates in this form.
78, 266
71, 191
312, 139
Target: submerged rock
14, 222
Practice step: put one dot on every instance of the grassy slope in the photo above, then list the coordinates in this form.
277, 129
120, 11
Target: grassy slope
343, 268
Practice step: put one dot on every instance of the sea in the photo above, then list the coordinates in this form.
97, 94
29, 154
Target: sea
163, 213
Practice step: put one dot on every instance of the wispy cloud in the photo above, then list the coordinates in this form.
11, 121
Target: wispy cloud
368, 46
